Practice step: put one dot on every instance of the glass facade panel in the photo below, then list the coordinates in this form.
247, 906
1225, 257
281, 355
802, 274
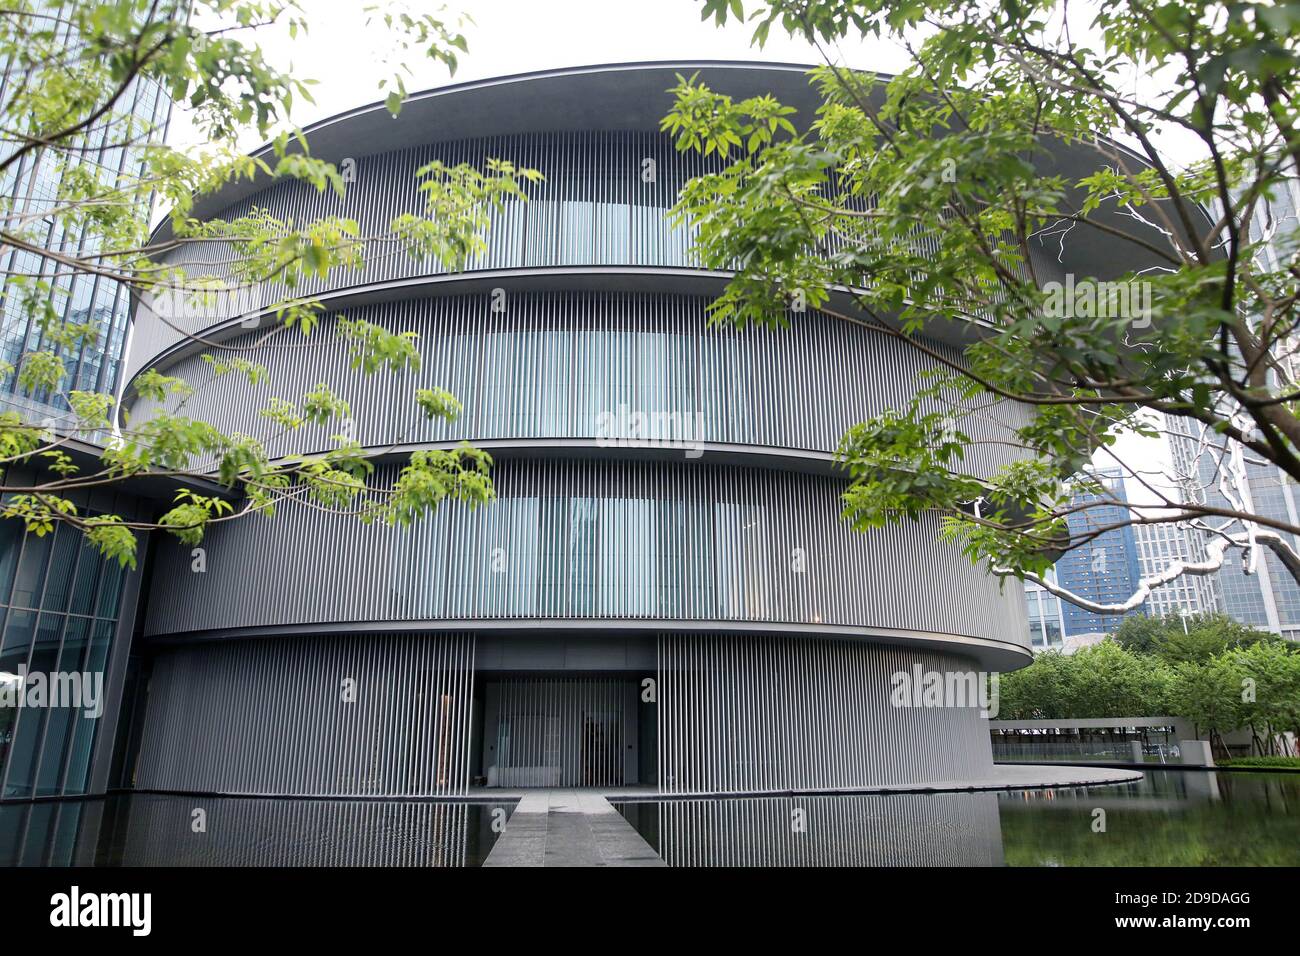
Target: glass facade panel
30, 582
86, 725
67, 542
85, 584
93, 365
11, 543
20, 775
54, 650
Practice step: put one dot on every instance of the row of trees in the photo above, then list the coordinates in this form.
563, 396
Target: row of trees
1218, 675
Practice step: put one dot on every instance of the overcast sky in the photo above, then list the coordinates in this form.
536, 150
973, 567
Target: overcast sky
348, 58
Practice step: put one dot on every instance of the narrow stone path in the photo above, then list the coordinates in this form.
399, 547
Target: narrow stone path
569, 828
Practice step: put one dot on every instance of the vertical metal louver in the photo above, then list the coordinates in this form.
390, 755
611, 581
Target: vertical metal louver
558, 732
562, 365
594, 209
770, 714
157, 831
387, 715
934, 829
592, 540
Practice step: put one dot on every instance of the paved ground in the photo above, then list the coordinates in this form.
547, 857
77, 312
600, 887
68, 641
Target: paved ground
569, 828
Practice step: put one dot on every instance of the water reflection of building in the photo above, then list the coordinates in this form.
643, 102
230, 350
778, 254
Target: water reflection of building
158, 830
932, 829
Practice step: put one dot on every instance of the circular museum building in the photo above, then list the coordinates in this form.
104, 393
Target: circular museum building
663, 593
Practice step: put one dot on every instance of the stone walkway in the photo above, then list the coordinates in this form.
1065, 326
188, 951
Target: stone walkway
569, 828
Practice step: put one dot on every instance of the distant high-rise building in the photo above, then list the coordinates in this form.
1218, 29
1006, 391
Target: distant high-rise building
1043, 611
1110, 568
1159, 546
1105, 568
63, 608
1266, 596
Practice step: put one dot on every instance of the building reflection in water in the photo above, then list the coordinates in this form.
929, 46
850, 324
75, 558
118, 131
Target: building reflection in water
930, 829
155, 830
1183, 818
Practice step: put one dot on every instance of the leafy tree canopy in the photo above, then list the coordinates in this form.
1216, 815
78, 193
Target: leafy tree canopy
1197, 639
1253, 685
71, 68
935, 199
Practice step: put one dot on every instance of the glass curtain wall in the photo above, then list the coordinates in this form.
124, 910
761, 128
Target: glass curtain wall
59, 608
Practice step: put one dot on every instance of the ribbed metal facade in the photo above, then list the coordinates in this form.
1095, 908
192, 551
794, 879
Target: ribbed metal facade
592, 540
548, 732
388, 715
601, 204
393, 715
933, 829
804, 714
552, 365
604, 203
159, 831
775, 627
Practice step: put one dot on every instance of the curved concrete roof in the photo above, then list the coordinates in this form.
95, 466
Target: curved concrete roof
633, 96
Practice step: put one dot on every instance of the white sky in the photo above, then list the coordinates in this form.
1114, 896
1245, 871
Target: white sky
348, 58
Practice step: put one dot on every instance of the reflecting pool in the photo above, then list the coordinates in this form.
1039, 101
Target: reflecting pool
1170, 818
155, 830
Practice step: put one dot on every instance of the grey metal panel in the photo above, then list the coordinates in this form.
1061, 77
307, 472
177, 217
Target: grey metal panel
934, 829
158, 831
742, 714
560, 651
592, 541
559, 732
270, 717
551, 365
595, 208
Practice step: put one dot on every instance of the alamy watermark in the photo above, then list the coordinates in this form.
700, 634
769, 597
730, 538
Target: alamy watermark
627, 427
81, 908
926, 688
75, 690
1089, 299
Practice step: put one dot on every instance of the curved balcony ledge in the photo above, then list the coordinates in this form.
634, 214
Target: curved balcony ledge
991, 655
568, 278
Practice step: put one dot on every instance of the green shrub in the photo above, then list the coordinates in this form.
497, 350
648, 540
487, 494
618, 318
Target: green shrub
1279, 763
